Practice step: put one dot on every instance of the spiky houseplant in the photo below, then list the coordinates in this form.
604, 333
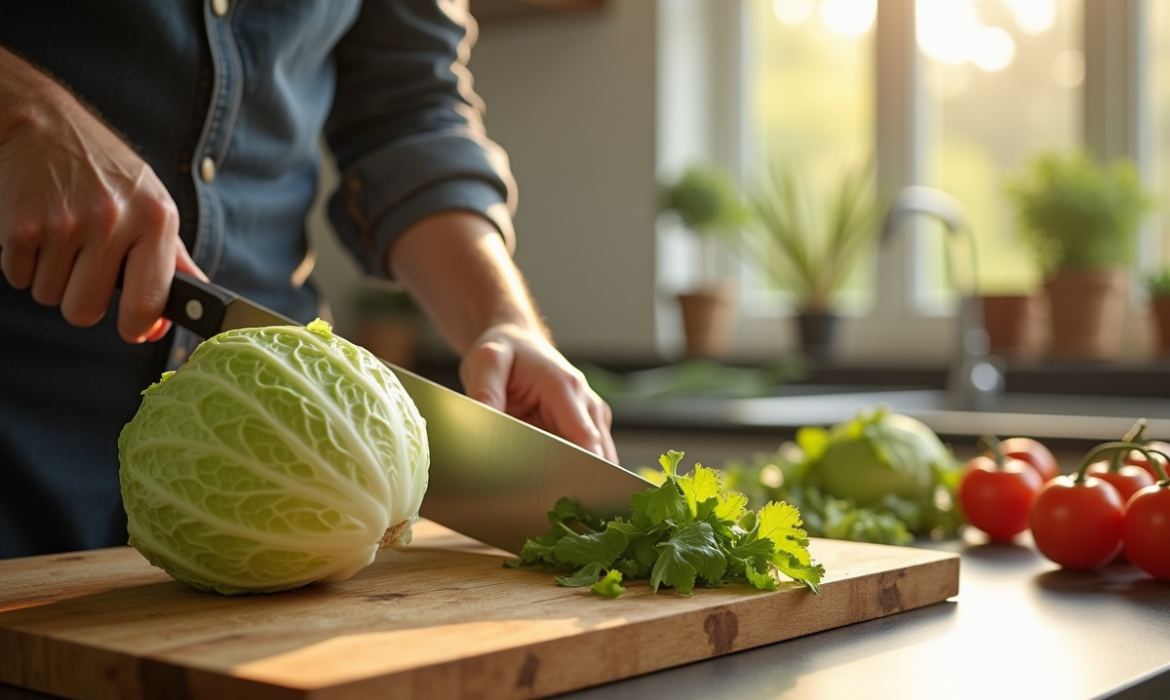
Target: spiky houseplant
810, 245
1081, 218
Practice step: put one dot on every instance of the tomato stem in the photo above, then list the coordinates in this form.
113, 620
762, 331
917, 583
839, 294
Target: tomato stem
1094, 453
1158, 465
995, 447
1134, 434
1155, 462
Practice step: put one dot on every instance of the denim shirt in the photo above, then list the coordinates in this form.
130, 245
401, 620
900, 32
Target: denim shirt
228, 101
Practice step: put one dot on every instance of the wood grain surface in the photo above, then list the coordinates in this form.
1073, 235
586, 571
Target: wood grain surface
440, 619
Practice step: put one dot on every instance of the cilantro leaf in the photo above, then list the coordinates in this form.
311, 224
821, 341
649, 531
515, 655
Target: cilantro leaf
567, 511
692, 552
669, 462
731, 506
662, 504
585, 576
684, 532
781, 523
760, 576
699, 486
602, 547
610, 586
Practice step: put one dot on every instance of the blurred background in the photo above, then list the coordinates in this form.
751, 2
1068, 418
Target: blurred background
741, 157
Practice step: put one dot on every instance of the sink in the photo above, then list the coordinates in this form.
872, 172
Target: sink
1063, 416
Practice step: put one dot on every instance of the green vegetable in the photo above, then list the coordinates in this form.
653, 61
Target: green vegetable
877, 454
686, 531
882, 478
273, 458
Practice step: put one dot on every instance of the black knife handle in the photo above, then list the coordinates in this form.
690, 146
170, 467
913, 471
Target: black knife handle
196, 305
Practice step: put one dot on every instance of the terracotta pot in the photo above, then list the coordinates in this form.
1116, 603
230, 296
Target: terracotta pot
1161, 313
707, 316
817, 334
1010, 321
1086, 309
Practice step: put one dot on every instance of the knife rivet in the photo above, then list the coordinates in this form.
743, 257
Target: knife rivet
194, 309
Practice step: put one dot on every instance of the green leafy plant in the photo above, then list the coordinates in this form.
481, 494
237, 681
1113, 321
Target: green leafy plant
687, 530
1158, 284
274, 457
1075, 213
705, 200
808, 245
880, 477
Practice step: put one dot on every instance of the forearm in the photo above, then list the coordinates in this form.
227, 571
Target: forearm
457, 267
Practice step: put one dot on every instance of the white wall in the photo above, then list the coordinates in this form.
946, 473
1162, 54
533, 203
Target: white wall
571, 97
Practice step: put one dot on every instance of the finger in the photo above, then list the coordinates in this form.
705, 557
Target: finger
18, 256
158, 332
183, 262
485, 371
603, 421
150, 267
90, 287
55, 260
565, 410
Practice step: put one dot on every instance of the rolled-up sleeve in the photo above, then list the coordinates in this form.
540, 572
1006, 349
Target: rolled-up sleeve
407, 129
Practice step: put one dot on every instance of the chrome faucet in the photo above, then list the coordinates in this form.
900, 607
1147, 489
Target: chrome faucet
974, 378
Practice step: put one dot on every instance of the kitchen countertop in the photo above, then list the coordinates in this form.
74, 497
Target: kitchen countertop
1020, 628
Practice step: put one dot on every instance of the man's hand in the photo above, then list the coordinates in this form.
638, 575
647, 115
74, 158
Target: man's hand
456, 266
521, 373
75, 202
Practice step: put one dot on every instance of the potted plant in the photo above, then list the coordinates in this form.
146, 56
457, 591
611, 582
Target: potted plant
811, 245
1081, 219
1158, 286
708, 205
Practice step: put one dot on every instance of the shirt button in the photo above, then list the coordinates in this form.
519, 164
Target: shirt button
207, 169
219, 7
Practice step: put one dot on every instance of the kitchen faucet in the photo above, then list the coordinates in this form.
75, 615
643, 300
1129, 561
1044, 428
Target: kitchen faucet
974, 378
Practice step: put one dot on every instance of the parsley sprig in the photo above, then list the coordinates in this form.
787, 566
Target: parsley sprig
686, 531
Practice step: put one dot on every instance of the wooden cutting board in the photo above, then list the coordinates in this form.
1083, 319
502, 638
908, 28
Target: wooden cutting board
441, 619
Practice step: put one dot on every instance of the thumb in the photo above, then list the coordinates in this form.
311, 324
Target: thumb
485, 371
183, 262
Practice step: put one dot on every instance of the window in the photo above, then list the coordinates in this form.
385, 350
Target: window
810, 104
962, 93
1002, 81
1157, 246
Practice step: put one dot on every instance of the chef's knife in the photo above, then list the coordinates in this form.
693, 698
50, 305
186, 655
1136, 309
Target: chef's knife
493, 477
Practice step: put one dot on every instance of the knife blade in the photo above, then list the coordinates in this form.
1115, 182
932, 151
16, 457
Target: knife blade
493, 477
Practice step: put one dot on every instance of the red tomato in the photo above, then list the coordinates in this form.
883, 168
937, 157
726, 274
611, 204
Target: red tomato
996, 498
1077, 525
1128, 479
1032, 452
1147, 530
1139, 460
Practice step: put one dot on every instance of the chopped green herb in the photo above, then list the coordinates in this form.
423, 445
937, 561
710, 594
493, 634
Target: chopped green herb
684, 532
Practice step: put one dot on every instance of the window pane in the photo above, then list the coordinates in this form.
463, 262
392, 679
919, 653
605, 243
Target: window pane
811, 97
1003, 81
1158, 95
